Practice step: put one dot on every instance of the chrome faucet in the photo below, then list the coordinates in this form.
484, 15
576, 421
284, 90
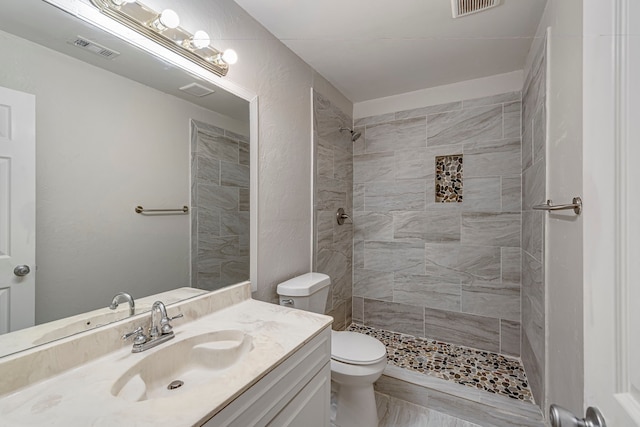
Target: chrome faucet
121, 297
160, 330
159, 320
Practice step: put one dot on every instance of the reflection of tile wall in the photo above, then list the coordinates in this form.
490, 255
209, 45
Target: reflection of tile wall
448, 271
533, 192
333, 189
219, 207
449, 179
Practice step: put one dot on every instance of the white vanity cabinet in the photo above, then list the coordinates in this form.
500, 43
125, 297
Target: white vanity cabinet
296, 393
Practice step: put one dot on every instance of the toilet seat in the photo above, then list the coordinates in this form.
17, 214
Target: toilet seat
356, 349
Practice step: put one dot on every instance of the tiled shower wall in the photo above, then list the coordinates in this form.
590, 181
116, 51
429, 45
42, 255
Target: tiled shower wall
333, 187
219, 207
448, 271
533, 192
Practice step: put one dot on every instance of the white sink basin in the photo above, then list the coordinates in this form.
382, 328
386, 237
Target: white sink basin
185, 364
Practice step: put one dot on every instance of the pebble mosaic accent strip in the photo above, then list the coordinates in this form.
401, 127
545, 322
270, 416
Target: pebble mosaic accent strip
483, 370
449, 179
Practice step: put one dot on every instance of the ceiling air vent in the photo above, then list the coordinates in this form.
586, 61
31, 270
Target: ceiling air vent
93, 47
196, 89
467, 7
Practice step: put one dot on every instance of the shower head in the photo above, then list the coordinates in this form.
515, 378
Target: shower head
354, 135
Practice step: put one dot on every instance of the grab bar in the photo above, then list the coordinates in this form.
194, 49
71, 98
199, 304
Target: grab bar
576, 206
140, 209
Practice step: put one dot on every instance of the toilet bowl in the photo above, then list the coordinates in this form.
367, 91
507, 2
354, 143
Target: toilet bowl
357, 360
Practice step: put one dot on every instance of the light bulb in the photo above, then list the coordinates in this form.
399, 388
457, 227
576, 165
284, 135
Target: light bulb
200, 40
230, 56
167, 19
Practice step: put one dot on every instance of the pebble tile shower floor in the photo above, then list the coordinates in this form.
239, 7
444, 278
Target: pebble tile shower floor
479, 369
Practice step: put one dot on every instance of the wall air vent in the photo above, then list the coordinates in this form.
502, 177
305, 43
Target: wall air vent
93, 47
467, 7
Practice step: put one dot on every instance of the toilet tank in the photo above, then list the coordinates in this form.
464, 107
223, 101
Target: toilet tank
307, 292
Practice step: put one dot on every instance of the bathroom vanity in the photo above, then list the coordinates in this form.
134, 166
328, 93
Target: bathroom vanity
233, 361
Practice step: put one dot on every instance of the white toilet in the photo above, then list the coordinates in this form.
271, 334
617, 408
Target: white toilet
357, 360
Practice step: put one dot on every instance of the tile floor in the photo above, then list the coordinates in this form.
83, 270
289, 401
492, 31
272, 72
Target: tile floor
494, 373
398, 413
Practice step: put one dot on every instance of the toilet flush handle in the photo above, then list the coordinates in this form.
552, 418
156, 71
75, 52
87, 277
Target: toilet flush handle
286, 302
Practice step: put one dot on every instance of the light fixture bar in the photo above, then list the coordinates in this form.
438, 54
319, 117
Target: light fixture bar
144, 21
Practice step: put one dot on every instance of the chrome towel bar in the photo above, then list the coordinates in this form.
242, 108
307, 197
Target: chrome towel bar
140, 209
549, 206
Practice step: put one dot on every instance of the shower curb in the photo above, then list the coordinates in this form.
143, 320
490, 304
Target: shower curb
470, 404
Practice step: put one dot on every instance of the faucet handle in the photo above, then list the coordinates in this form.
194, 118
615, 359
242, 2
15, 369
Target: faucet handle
165, 325
138, 334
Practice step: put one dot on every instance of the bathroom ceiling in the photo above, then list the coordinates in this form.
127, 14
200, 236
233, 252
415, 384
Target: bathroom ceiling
370, 49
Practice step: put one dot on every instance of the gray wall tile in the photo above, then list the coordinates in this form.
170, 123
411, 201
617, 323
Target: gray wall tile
358, 309
412, 164
373, 167
512, 117
510, 337
492, 300
244, 153
511, 194
465, 329
483, 194
324, 160
406, 319
218, 147
508, 97
333, 189
406, 195
492, 158
399, 134
511, 265
234, 223
539, 135
224, 198
405, 257
527, 146
372, 120
432, 109
468, 263
207, 170
426, 226
467, 125
427, 291
373, 225
373, 284
533, 186
234, 175
428, 255
491, 229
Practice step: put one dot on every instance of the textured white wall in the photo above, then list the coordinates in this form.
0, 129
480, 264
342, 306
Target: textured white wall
282, 81
104, 145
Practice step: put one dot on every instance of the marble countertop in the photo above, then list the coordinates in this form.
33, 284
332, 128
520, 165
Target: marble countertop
50, 331
82, 395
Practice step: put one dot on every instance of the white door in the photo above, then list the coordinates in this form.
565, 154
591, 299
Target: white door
612, 209
17, 210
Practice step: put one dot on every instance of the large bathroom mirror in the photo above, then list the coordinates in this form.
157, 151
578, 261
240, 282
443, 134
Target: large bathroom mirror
118, 128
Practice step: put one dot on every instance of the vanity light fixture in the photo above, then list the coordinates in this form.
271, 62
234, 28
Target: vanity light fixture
164, 29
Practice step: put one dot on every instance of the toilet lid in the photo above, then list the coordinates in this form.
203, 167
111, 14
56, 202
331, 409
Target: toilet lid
356, 349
